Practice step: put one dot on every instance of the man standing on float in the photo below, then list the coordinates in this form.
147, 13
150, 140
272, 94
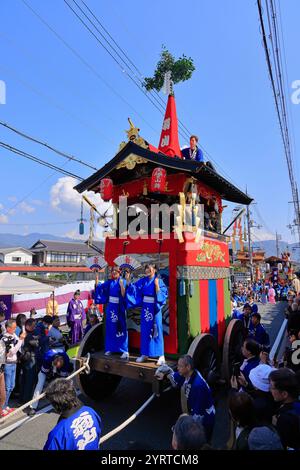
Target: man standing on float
151, 294
116, 335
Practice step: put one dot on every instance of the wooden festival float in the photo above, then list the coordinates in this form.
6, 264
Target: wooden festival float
194, 264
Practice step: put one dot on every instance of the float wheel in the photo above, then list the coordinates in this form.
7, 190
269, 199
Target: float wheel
233, 342
95, 385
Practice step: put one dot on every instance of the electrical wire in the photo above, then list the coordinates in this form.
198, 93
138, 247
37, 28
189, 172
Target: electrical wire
84, 62
31, 157
42, 223
278, 88
34, 139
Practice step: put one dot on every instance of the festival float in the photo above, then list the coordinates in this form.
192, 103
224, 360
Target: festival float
192, 261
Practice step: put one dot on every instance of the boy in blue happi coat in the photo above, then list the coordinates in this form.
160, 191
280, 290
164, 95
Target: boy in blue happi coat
116, 335
150, 293
258, 332
78, 427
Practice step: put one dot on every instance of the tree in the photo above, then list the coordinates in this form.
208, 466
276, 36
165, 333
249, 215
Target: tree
181, 70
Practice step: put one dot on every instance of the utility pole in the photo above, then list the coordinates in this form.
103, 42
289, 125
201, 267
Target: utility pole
278, 237
250, 243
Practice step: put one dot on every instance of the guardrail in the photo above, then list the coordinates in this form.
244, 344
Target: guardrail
278, 341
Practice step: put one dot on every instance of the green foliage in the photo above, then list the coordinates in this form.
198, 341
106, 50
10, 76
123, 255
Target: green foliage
181, 70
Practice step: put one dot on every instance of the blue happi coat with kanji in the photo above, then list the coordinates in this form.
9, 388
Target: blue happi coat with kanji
79, 431
116, 335
143, 294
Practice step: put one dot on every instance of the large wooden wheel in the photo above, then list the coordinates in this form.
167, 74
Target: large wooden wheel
233, 342
95, 385
205, 352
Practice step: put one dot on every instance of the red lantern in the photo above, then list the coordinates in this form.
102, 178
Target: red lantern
106, 189
158, 180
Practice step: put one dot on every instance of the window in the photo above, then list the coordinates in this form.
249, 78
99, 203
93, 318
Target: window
16, 259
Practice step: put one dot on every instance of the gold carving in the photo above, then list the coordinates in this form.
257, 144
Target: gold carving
131, 161
134, 136
211, 253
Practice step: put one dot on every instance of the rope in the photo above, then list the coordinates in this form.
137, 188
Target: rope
132, 417
128, 421
42, 395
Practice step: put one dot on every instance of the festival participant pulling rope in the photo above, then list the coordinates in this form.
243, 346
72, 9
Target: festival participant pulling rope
85, 367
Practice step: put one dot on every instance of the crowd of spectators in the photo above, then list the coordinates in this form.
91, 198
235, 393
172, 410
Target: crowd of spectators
33, 352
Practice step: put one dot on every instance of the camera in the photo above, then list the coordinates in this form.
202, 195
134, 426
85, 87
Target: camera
236, 369
9, 342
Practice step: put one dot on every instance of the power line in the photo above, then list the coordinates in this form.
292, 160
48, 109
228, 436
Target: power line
24, 154
83, 61
279, 93
59, 152
43, 223
111, 55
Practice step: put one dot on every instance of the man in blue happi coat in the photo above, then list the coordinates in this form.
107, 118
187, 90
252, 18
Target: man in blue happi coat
116, 335
196, 390
193, 152
56, 363
150, 293
78, 427
258, 332
245, 317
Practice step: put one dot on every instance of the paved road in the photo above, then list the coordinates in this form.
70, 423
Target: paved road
153, 427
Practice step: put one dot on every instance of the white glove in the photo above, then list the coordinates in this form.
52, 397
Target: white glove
163, 370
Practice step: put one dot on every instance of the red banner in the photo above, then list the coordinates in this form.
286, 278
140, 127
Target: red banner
169, 142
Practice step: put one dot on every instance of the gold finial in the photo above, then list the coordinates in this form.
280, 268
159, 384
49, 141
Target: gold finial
133, 132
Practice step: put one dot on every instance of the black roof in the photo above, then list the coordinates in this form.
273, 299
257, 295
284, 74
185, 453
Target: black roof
200, 171
66, 247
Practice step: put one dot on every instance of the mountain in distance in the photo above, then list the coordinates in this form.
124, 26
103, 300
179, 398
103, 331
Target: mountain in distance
269, 246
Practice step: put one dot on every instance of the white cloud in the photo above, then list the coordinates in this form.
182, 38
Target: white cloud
26, 208
3, 219
1, 206
65, 199
12, 211
12, 198
261, 235
75, 234
37, 202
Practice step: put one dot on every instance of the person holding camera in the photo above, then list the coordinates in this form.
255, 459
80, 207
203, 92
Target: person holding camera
11, 344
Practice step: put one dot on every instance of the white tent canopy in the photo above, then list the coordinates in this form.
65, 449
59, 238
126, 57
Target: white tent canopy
10, 285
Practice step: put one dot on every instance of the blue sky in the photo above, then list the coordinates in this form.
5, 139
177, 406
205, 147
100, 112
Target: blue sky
228, 102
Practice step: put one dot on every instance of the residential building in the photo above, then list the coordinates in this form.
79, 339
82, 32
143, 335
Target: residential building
57, 253
15, 256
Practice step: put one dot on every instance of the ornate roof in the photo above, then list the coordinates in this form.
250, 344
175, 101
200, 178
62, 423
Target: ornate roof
133, 162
